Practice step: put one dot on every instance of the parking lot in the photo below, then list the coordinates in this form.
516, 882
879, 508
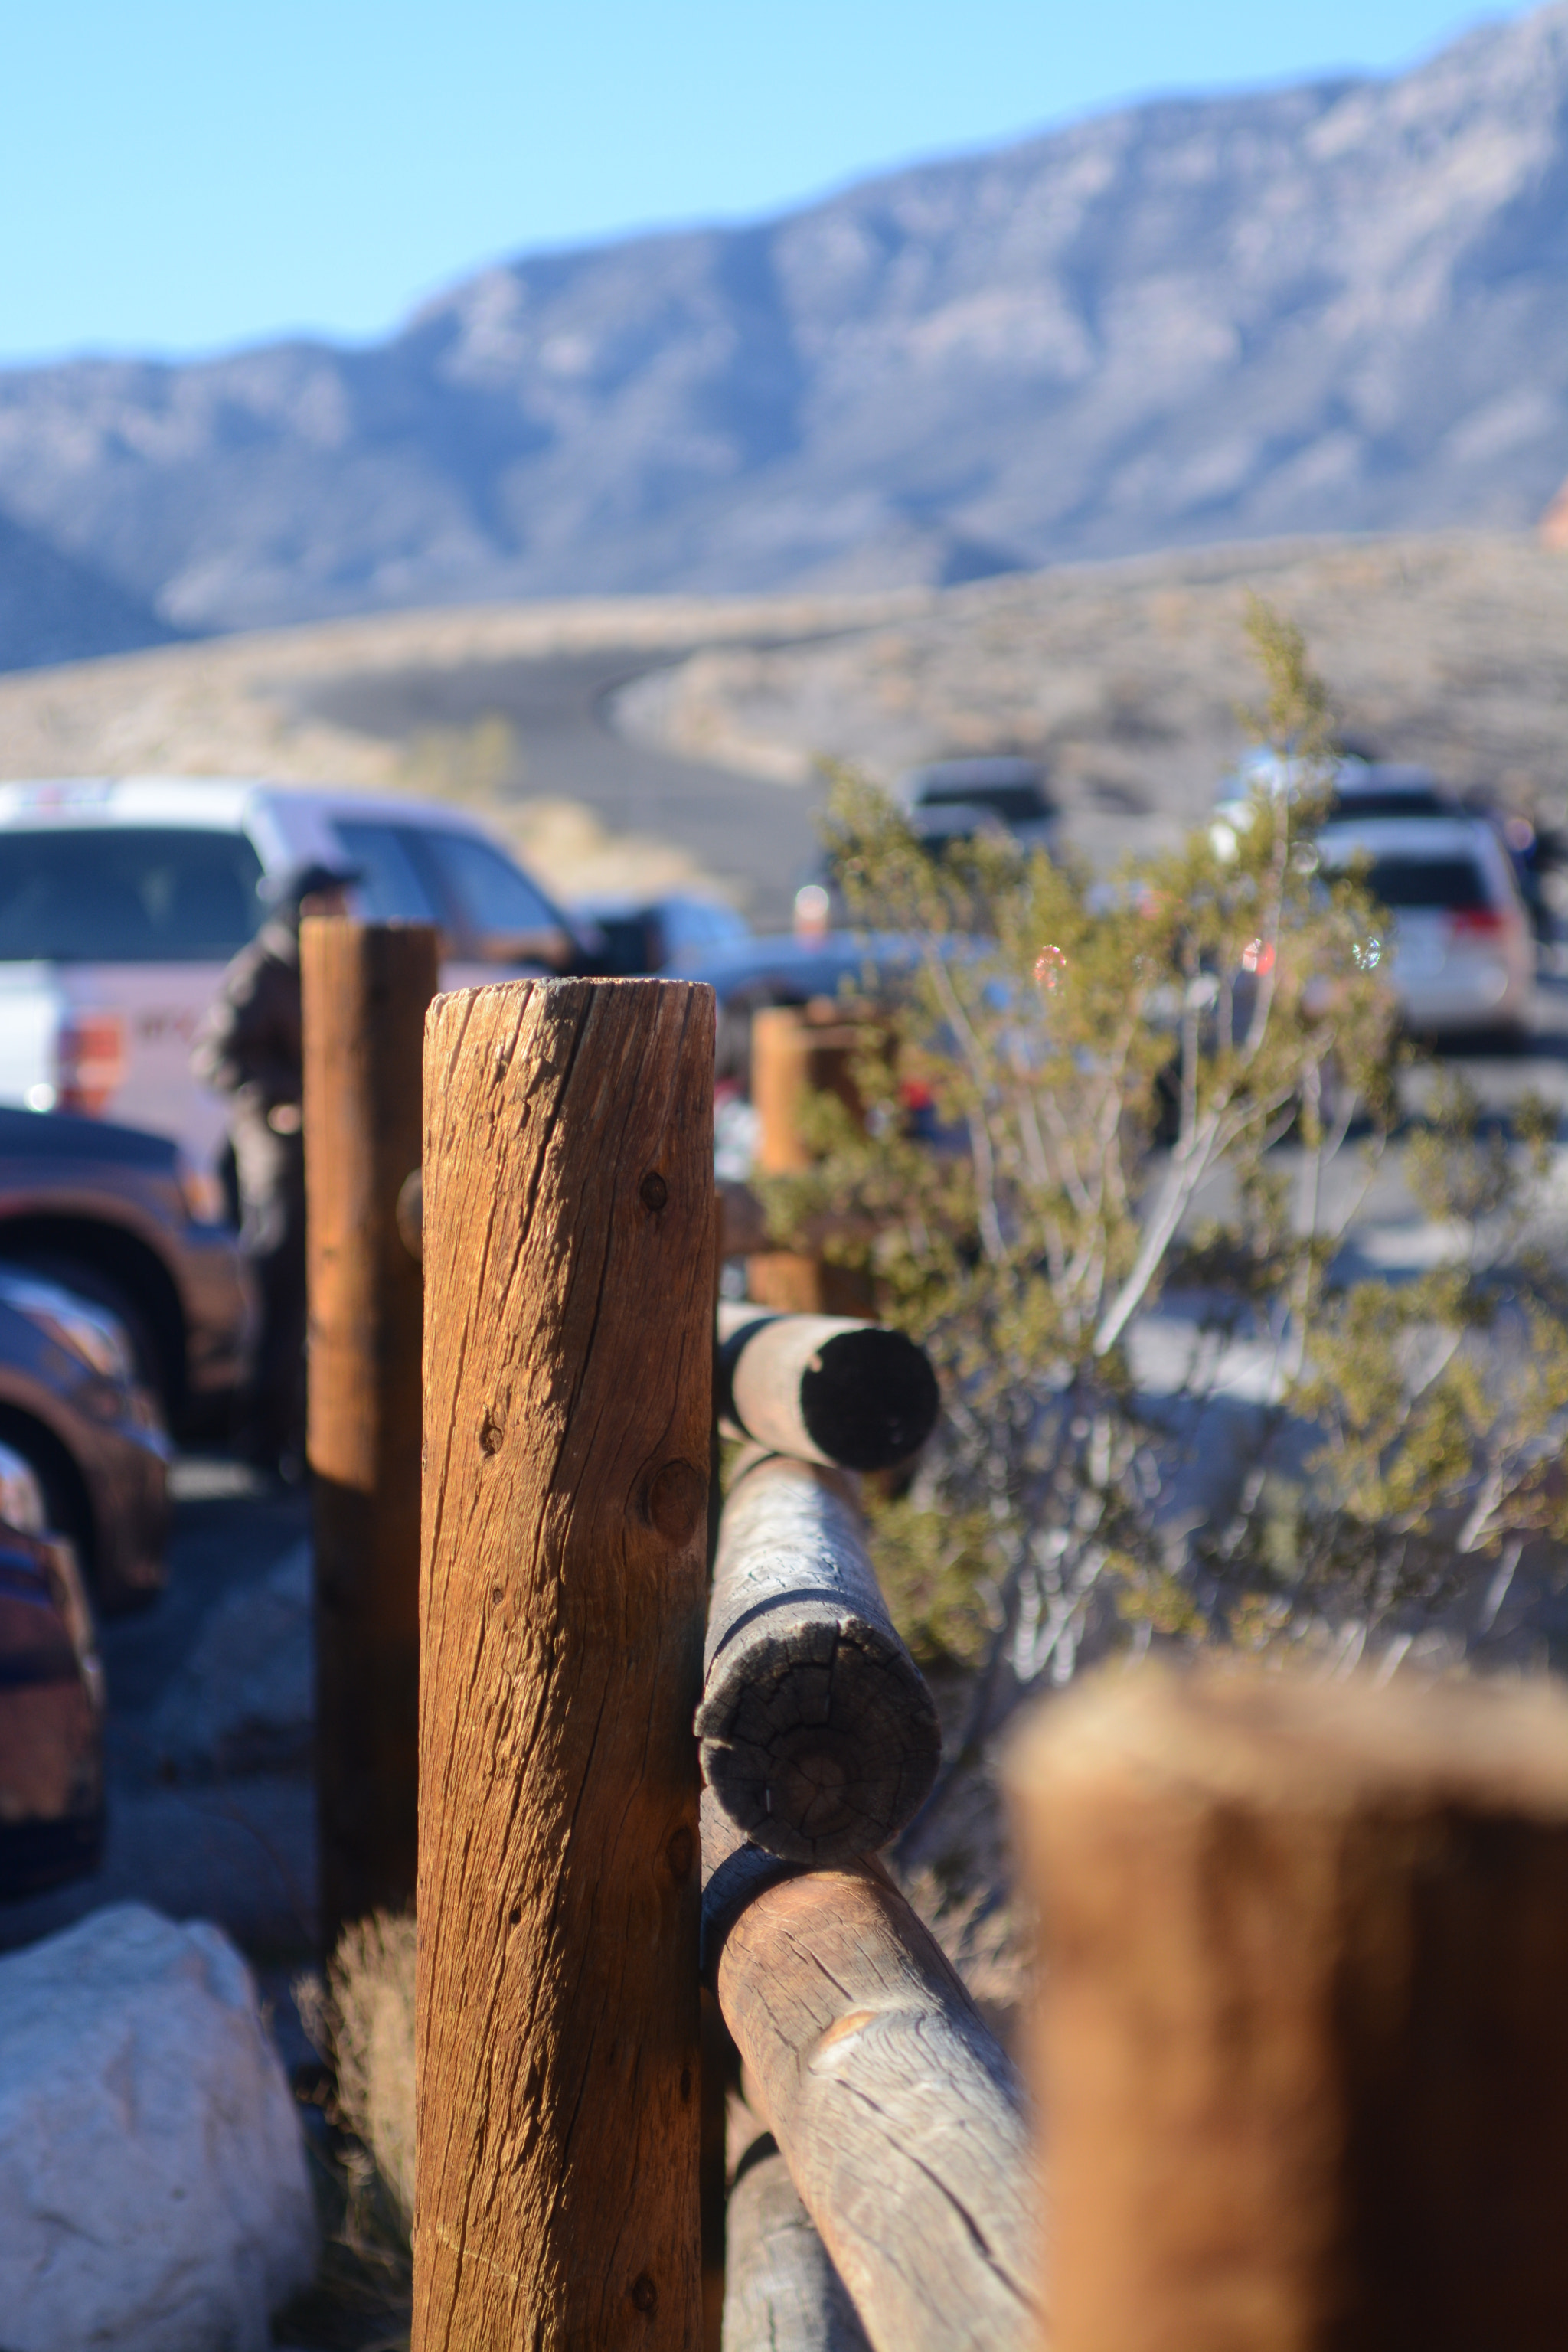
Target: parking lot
211, 1808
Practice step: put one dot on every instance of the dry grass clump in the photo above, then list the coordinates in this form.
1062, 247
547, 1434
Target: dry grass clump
362, 2020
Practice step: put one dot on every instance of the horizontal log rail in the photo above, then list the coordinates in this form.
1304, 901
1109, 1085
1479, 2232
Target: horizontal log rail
743, 1225
824, 1388
899, 2114
820, 1737
781, 2293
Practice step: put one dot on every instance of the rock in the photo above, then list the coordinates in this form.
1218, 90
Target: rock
245, 1699
153, 2192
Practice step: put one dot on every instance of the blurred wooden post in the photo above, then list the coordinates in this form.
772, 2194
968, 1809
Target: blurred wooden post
568, 1236
793, 1055
366, 989
1302, 2049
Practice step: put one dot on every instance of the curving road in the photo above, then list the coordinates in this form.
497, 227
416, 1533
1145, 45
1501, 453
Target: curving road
756, 833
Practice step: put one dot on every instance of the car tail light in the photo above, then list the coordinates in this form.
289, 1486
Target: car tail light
91, 1060
1477, 922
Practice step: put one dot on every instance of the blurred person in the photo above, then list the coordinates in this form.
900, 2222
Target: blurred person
250, 1050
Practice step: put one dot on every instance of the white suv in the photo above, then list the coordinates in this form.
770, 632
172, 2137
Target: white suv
121, 899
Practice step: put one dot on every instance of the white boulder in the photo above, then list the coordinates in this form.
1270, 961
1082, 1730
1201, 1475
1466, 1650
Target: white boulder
154, 2191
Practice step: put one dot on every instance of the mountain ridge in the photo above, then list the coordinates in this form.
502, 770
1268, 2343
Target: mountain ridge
1336, 305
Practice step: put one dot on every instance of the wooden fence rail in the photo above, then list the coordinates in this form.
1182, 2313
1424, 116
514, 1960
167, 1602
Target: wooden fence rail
1301, 2043
899, 2116
824, 1388
820, 1737
781, 2293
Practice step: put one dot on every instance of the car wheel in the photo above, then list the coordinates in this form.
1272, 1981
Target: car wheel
99, 1289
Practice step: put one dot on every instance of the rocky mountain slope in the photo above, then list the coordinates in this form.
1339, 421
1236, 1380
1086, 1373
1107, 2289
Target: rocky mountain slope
1338, 307
55, 608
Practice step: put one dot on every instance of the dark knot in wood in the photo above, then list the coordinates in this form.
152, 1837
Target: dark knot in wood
653, 1192
491, 1434
677, 1499
680, 1853
644, 2295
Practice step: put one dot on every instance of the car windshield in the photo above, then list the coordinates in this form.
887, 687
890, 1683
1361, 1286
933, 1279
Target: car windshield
1013, 803
1422, 801
494, 897
1426, 882
85, 894
390, 888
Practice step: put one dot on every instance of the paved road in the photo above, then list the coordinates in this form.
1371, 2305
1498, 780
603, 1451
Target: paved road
743, 828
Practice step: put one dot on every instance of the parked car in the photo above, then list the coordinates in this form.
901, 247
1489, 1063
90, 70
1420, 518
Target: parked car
121, 899
1009, 792
51, 1698
643, 935
946, 803
91, 1434
1374, 790
122, 1218
1462, 954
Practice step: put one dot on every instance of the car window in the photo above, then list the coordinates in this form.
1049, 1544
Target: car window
1013, 803
1426, 882
390, 889
491, 893
85, 894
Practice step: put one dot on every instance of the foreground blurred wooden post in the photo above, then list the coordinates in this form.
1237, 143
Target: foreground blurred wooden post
568, 1236
366, 989
794, 1055
1302, 2050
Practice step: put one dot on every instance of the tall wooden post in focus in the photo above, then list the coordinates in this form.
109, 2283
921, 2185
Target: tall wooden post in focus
1303, 2048
796, 1055
365, 987
569, 1274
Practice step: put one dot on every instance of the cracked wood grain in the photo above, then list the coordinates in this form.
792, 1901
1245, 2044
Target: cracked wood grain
1301, 2034
820, 1737
568, 1237
899, 2116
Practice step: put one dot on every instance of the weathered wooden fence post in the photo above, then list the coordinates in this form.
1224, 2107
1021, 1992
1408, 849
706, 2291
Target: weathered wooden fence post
568, 1235
1302, 2049
366, 989
794, 1055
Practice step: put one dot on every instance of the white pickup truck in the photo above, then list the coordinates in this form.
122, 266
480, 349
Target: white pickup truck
121, 899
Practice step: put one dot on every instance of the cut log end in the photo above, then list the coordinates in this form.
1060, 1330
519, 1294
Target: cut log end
870, 1398
822, 1743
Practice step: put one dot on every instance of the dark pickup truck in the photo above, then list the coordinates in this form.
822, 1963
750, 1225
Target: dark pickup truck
120, 1217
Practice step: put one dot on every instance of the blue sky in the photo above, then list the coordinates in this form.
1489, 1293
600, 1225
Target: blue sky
179, 177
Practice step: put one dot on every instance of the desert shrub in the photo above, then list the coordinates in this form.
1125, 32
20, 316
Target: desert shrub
1109, 1122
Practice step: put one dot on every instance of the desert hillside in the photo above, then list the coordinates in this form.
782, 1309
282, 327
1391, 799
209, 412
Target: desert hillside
628, 741
1124, 677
